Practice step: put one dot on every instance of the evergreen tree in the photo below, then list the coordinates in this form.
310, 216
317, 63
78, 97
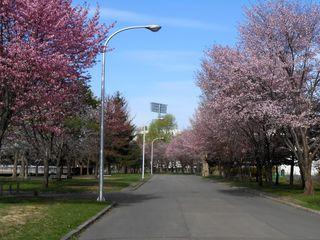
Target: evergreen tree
119, 132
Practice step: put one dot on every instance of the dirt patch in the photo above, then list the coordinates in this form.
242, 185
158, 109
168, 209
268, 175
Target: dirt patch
16, 216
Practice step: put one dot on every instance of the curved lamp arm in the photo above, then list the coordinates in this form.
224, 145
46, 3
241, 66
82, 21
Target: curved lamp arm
153, 28
151, 161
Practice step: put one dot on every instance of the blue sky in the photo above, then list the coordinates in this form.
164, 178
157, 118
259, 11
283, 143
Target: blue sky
161, 67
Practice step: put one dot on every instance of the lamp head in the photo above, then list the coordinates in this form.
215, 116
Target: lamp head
153, 28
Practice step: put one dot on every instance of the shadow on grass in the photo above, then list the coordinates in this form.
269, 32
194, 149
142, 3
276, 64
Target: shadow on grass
75, 185
122, 198
42, 200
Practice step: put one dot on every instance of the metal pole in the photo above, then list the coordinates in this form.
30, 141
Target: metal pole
153, 28
101, 170
151, 162
143, 150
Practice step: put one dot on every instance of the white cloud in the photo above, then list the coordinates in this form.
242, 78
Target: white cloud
168, 60
178, 85
134, 17
160, 55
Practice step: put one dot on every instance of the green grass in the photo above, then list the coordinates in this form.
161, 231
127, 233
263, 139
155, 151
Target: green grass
43, 218
284, 190
35, 218
76, 184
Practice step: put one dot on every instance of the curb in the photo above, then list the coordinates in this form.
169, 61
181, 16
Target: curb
87, 223
273, 198
138, 185
277, 199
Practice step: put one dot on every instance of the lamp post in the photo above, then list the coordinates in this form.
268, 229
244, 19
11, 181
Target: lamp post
144, 132
153, 28
151, 162
143, 150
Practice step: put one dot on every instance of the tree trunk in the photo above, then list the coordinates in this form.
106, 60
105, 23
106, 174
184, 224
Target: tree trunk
205, 168
302, 178
305, 155
46, 170
58, 169
277, 175
69, 168
81, 169
88, 166
109, 168
6, 112
192, 168
198, 168
308, 188
26, 168
37, 169
23, 165
241, 172
15, 166
259, 174
96, 170
267, 158
219, 169
291, 170
269, 173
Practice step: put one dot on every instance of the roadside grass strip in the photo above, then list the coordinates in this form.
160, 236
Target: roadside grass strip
283, 190
52, 215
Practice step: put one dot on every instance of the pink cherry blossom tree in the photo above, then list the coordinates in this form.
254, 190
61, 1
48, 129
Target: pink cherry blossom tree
45, 48
267, 85
181, 150
285, 36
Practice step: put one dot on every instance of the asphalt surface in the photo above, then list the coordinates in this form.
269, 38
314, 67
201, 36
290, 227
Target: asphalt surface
189, 207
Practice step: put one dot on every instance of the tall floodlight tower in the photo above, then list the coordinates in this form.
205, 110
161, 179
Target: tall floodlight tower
159, 108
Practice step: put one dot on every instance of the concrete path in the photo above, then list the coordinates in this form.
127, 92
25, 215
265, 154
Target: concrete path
189, 207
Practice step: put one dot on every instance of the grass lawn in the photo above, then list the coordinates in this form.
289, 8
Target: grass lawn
43, 218
77, 184
35, 218
284, 190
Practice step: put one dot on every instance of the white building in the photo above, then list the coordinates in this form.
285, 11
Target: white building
296, 170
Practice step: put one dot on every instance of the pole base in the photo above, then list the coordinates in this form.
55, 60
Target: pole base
101, 199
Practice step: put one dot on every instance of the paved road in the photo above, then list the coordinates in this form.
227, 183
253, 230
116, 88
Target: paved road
189, 207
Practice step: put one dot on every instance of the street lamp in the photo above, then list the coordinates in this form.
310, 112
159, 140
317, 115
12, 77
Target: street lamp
151, 162
143, 150
144, 132
153, 28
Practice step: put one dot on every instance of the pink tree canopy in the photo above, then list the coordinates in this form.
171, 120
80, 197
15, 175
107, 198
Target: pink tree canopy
268, 83
45, 48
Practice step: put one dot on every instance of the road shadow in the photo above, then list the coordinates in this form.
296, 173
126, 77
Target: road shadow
238, 192
127, 198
